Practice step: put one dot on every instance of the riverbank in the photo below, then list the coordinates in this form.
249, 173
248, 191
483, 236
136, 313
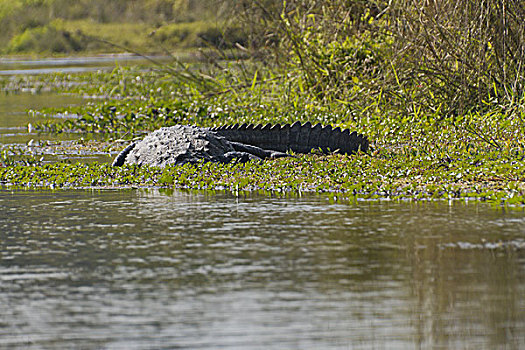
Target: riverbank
355, 178
475, 157
445, 114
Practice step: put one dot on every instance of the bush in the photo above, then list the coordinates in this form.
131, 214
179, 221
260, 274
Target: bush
468, 53
199, 34
444, 58
44, 39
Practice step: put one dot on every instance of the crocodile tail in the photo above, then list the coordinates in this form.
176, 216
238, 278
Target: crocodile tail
299, 138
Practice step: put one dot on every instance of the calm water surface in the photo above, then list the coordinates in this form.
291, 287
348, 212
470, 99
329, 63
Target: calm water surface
22, 66
176, 270
14, 116
15, 133
14, 107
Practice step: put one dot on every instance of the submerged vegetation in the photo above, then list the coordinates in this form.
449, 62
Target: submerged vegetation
437, 87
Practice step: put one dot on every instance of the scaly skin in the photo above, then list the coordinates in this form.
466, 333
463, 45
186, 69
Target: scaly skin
296, 137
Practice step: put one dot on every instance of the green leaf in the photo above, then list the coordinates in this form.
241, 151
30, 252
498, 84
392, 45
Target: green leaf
254, 81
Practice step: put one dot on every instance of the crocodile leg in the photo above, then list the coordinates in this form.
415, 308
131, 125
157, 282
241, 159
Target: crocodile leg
257, 151
121, 157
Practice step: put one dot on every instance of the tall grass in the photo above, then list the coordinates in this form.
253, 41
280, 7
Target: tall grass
441, 57
468, 53
417, 57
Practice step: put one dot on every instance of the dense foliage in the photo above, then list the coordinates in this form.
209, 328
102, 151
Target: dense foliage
447, 57
63, 26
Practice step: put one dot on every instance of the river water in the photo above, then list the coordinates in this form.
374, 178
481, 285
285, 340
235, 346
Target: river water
144, 269
32, 66
16, 118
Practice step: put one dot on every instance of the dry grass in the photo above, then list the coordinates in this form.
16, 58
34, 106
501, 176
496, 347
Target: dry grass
468, 52
443, 57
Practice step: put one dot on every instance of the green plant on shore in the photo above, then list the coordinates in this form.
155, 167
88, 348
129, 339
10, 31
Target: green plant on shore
496, 177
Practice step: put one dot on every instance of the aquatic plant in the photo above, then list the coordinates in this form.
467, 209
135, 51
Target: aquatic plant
496, 176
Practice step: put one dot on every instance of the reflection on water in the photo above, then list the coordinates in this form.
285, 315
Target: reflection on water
143, 269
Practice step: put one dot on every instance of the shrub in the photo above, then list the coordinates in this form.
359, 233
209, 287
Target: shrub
42, 39
441, 57
467, 52
200, 34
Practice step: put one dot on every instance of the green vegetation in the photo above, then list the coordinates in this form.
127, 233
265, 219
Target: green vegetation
394, 177
151, 26
439, 90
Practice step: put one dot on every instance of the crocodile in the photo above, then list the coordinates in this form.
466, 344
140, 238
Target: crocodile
180, 144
